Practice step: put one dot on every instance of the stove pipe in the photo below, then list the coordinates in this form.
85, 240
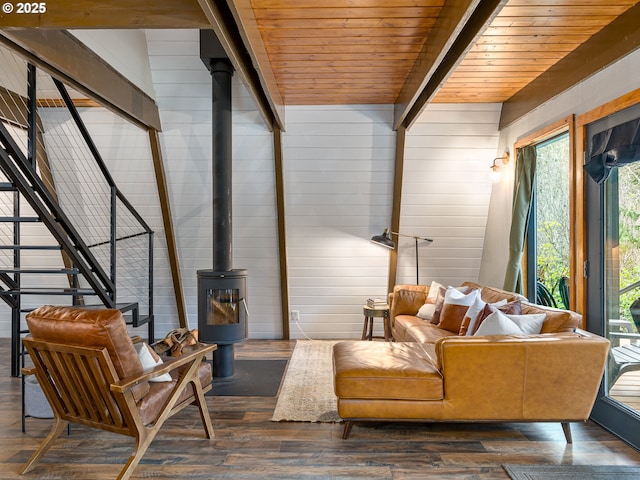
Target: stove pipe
222, 310
221, 74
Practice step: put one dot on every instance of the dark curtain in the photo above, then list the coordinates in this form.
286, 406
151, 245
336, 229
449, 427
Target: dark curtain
522, 196
613, 147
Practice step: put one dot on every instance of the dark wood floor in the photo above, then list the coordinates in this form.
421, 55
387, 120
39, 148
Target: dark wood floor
249, 446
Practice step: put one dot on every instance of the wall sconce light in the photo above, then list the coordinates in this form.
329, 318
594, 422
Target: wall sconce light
495, 168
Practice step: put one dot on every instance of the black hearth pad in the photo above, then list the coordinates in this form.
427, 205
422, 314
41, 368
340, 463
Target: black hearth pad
251, 378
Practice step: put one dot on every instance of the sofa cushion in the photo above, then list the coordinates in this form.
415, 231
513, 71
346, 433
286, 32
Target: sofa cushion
154, 401
408, 328
407, 301
385, 371
493, 294
426, 333
556, 320
103, 328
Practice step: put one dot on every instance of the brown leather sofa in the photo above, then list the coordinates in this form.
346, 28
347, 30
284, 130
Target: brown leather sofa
406, 326
553, 376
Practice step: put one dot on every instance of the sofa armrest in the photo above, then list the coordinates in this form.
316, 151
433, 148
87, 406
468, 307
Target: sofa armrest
537, 377
407, 300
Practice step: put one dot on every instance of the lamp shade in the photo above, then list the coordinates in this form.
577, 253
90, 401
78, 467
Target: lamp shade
384, 240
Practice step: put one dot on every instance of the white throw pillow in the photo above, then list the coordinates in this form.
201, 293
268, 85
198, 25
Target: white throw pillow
499, 323
475, 309
426, 311
432, 295
529, 324
148, 362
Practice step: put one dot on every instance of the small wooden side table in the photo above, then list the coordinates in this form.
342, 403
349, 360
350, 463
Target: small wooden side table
369, 314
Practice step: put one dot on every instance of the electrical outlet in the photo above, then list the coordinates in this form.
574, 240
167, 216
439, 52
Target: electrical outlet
295, 315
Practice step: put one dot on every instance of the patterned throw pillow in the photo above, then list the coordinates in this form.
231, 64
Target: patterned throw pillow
455, 306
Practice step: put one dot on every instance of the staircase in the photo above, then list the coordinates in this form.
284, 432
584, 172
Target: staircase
94, 252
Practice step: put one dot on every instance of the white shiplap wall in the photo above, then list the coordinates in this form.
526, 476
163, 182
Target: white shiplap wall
446, 191
338, 164
183, 94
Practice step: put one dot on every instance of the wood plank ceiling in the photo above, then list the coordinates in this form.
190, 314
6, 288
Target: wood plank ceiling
343, 52
402, 52
525, 39
362, 51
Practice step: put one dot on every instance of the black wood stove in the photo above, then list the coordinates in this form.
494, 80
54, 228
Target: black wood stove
222, 291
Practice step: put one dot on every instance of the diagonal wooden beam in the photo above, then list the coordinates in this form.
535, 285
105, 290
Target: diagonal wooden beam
282, 231
223, 24
401, 135
245, 19
460, 23
64, 57
619, 38
167, 221
69, 14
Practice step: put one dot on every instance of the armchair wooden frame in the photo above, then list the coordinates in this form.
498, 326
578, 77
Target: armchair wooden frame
82, 386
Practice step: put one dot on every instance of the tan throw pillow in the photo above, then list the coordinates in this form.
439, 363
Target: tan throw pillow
511, 308
435, 319
455, 306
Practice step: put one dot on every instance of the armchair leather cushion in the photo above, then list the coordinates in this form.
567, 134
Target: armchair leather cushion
150, 405
101, 328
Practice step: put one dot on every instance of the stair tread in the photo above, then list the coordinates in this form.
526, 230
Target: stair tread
40, 270
20, 219
47, 291
30, 247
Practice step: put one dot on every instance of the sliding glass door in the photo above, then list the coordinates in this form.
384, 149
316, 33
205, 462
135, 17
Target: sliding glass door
613, 270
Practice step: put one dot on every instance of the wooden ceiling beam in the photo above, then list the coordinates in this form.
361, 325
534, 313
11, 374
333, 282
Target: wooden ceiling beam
79, 14
460, 23
64, 57
223, 20
619, 38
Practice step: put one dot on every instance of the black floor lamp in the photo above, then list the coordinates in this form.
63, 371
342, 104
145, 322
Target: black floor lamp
385, 241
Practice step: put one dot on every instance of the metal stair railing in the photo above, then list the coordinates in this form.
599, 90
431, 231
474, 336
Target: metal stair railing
116, 198
92, 261
16, 167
